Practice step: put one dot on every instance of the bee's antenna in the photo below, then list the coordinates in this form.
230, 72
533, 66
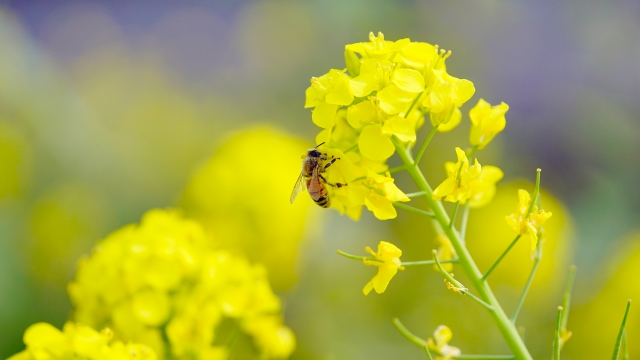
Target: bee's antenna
322, 143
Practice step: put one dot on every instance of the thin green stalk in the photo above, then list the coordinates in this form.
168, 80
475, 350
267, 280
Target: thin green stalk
566, 299
455, 212
505, 326
536, 262
415, 194
350, 148
461, 289
624, 350
484, 357
428, 262
396, 169
424, 145
359, 258
426, 351
472, 153
556, 336
413, 209
406, 333
486, 275
616, 350
463, 223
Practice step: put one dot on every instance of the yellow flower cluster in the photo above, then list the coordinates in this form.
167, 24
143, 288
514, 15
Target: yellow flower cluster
75, 341
380, 98
475, 183
524, 222
164, 284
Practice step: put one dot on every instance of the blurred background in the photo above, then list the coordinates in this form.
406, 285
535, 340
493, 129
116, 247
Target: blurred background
108, 109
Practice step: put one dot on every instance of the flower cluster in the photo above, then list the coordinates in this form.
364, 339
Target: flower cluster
475, 184
525, 220
77, 341
164, 284
378, 101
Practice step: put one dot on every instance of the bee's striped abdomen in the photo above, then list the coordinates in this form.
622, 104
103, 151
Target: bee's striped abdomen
323, 201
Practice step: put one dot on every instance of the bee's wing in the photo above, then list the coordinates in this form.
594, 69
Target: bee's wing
297, 188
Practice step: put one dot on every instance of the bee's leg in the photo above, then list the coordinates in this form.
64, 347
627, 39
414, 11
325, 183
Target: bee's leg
338, 185
333, 159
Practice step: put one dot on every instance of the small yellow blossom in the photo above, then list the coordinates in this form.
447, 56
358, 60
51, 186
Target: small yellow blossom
77, 341
378, 47
447, 94
527, 224
440, 344
486, 122
326, 94
388, 265
476, 183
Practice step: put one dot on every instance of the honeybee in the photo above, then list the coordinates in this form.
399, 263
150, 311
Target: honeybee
312, 168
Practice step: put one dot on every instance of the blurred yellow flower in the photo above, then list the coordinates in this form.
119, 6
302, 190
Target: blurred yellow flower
440, 344
241, 195
486, 122
165, 279
474, 183
79, 342
522, 223
388, 265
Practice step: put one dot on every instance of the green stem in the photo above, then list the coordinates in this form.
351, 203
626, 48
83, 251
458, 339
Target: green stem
556, 336
505, 326
463, 223
527, 286
616, 350
413, 209
416, 194
485, 357
624, 350
406, 333
472, 153
428, 262
351, 148
424, 145
359, 258
395, 169
566, 299
486, 275
455, 212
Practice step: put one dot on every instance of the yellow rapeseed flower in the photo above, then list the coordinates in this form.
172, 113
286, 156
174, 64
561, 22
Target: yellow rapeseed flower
440, 344
165, 279
486, 122
75, 341
522, 223
474, 183
326, 94
388, 265
447, 94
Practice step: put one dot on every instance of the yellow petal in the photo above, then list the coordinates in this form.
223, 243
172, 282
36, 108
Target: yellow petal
364, 113
374, 144
453, 122
393, 100
324, 115
313, 97
341, 93
402, 128
353, 62
463, 90
363, 85
445, 188
151, 307
381, 207
408, 80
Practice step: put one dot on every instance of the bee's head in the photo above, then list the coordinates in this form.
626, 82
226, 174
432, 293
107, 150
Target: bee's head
314, 153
